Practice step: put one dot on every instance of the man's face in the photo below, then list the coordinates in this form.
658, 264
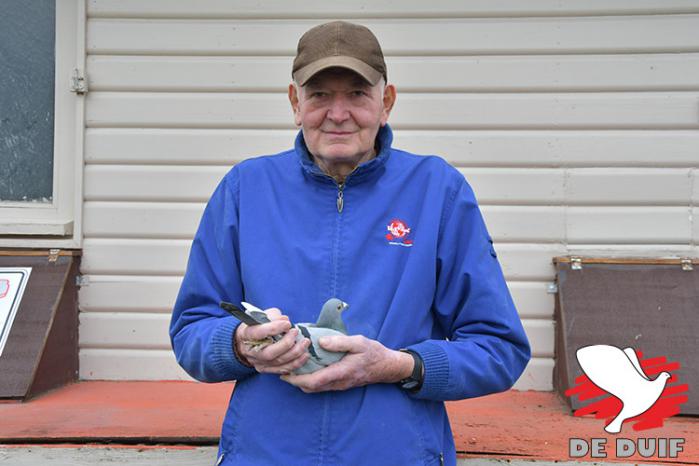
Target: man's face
340, 115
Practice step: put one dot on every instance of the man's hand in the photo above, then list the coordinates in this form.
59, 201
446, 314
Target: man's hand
280, 357
367, 362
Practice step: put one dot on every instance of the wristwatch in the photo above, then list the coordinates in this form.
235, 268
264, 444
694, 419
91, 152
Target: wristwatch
414, 382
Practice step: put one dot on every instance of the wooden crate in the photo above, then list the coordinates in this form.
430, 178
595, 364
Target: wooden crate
651, 305
42, 348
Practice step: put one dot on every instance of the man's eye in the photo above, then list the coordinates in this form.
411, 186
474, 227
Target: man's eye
358, 93
318, 94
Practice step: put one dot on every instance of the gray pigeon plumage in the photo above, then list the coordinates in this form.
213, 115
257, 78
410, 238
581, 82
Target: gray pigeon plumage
329, 323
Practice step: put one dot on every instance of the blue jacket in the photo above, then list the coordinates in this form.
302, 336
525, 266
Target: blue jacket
408, 251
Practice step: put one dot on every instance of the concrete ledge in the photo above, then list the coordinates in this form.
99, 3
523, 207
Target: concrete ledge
185, 456
517, 426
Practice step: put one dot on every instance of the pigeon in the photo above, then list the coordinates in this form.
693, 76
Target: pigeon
329, 323
619, 372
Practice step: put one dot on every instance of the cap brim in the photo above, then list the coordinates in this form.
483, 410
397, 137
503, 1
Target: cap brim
365, 71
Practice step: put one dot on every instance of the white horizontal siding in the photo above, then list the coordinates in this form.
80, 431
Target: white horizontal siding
180, 220
500, 186
116, 256
637, 186
538, 375
150, 331
443, 36
520, 73
629, 225
123, 330
133, 364
156, 294
109, 256
275, 9
575, 122
142, 219
140, 364
652, 110
482, 148
151, 182
120, 293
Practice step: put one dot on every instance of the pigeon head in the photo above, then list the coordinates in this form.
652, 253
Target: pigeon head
331, 315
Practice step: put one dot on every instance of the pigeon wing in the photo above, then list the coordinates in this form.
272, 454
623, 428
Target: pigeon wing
319, 356
260, 316
633, 357
250, 308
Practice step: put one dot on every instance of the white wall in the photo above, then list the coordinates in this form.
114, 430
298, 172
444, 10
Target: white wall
575, 122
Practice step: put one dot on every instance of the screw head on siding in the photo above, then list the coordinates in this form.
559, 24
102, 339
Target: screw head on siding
82, 280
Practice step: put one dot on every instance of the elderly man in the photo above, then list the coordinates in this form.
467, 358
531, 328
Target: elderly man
343, 214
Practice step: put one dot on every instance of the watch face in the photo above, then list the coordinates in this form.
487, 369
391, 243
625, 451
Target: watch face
410, 384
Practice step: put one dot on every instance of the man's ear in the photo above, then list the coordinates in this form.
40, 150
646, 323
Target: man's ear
389, 98
294, 101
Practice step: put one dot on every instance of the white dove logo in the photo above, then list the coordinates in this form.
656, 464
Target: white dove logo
619, 373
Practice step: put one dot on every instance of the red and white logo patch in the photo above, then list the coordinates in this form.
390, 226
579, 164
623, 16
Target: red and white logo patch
398, 232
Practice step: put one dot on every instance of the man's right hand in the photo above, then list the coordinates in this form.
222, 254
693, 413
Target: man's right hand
280, 357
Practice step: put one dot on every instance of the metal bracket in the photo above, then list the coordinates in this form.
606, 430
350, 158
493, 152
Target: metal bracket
576, 263
552, 288
78, 83
53, 254
687, 265
82, 280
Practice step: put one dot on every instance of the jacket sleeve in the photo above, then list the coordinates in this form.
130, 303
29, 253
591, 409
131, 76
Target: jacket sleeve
200, 331
486, 349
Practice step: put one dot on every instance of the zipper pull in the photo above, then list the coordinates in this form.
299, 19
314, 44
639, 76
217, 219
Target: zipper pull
441, 459
340, 197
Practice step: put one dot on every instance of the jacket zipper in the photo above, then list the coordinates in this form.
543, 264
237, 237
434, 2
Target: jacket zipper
340, 197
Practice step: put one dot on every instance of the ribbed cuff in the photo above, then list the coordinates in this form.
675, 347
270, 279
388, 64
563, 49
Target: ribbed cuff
436, 382
224, 357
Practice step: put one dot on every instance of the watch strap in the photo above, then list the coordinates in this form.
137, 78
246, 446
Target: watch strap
414, 381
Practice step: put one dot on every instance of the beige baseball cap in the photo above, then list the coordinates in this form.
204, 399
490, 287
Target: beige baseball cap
339, 44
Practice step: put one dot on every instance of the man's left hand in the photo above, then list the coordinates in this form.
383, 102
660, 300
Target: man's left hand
367, 361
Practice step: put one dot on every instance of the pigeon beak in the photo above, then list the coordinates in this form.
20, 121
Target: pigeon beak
344, 306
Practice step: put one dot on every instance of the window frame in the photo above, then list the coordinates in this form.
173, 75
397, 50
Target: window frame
58, 224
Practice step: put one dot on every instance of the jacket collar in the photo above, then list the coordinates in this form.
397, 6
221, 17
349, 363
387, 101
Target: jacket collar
366, 170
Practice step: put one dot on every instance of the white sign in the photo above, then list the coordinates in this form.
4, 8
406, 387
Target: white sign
13, 281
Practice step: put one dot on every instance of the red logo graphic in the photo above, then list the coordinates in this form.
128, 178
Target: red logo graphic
643, 392
397, 234
4, 287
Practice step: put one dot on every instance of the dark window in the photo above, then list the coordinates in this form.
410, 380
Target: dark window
27, 58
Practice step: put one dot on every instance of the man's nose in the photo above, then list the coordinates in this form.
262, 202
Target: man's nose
339, 109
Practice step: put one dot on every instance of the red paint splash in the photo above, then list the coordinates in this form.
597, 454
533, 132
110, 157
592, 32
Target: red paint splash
608, 407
